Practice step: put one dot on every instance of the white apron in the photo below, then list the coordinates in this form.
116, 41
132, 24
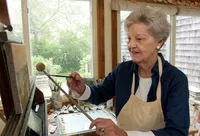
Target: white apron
137, 115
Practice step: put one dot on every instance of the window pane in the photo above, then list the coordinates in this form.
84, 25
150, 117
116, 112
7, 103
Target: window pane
165, 50
124, 38
15, 14
187, 48
60, 34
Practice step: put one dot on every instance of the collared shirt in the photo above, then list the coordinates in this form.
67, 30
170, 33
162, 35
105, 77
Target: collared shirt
174, 99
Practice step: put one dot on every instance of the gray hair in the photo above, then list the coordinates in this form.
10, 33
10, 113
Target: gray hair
156, 20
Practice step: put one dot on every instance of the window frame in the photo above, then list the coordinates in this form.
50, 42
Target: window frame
25, 15
96, 13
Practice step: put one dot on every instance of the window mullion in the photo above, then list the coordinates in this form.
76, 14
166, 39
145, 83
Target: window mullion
173, 40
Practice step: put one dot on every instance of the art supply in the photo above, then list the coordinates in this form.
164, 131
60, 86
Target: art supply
61, 76
67, 122
41, 67
37, 107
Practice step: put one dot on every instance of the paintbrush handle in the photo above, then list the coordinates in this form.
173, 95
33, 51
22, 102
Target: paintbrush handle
70, 98
61, 76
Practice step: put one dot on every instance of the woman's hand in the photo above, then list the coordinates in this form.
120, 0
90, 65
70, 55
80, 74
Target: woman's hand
77, 83
108, 126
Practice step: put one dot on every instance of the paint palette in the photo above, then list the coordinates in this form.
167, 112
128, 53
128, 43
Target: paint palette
77, 123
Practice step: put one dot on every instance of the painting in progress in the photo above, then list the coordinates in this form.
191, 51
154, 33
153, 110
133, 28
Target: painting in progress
18, 73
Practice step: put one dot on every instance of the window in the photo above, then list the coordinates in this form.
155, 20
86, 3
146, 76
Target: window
15, 14
187, 48
165, 50
60, 37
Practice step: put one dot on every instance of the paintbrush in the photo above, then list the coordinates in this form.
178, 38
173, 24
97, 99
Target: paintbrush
41, 68
62, 76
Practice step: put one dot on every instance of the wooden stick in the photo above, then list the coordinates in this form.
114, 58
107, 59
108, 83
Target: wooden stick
41, 67
61, 76
68, 96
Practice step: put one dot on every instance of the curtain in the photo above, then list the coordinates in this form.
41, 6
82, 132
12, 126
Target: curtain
127, 5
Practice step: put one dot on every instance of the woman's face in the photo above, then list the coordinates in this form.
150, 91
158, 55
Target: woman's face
141, 45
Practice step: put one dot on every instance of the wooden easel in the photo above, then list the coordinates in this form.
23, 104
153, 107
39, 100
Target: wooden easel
4, 17
5, 96
16, 124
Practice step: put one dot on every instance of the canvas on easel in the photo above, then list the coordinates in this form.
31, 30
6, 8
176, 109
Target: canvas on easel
19, 76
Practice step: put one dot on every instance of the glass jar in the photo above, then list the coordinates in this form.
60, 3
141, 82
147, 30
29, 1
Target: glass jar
56, 100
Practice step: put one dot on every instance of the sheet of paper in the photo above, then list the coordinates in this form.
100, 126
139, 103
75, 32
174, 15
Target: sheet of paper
35, 123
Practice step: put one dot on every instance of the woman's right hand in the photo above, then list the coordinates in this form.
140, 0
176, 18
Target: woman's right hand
77, 83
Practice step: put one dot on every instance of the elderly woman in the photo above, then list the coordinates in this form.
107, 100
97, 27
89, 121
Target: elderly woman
151, 94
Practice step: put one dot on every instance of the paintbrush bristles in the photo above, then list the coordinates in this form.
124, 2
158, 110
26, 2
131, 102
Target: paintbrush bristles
40, 67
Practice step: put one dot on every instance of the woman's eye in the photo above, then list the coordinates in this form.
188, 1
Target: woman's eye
129, 39
139, 39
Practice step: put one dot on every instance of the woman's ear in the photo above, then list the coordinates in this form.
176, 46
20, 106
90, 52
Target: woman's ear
158, 47
160, 44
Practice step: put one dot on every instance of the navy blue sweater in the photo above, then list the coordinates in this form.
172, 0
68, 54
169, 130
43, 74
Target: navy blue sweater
175, 94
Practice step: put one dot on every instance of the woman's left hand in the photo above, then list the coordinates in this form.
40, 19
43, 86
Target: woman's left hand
108, 126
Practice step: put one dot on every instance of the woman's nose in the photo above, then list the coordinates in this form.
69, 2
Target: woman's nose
132, 44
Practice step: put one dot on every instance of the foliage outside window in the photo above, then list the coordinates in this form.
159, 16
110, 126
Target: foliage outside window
60, 34
60, 37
